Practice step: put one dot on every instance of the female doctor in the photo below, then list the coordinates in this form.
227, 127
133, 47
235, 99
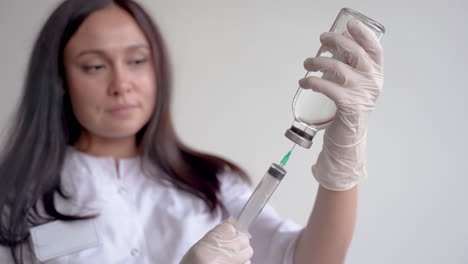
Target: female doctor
94, 173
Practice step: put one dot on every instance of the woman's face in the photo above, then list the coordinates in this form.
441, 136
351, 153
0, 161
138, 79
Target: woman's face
110, 74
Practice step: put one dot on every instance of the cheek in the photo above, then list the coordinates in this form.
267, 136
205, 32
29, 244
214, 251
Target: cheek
148, 92
86, 98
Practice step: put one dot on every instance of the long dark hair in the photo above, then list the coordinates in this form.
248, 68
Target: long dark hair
44, 125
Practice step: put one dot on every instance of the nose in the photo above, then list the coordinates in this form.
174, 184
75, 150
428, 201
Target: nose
121, 81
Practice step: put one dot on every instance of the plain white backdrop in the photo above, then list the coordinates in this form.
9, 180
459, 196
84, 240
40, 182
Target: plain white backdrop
236, 65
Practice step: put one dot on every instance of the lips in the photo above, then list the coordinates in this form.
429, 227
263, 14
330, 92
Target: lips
122, 107
123, 112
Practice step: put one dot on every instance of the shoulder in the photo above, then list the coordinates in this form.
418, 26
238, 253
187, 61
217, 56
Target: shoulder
234, 192
232, 184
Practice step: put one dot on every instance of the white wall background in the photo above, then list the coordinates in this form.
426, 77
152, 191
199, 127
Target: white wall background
236, 67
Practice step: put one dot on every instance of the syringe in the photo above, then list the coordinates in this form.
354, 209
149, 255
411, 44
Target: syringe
262, 194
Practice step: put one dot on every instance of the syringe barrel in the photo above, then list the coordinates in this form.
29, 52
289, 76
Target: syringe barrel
260, 197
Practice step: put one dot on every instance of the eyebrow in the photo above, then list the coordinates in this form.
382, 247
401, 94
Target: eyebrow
101, 52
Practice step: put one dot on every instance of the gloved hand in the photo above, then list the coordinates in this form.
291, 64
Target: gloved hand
357, 83
222, 245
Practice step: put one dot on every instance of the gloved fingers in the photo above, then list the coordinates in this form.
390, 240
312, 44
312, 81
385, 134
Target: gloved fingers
230, 220
330, 89
224, 231
347, 50
226, 236
240, 256
333, 69
367, 39
238, 243
346, 34
242, 242
243, 256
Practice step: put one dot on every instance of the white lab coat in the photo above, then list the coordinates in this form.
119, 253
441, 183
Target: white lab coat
143, 221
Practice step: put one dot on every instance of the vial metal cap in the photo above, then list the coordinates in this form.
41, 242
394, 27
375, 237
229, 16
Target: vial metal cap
300, 137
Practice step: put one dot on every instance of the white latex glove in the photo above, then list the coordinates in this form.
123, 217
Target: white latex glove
357, 83
222, 245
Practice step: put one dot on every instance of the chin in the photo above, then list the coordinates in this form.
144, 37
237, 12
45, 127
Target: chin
116, 129
120, 131
123, 133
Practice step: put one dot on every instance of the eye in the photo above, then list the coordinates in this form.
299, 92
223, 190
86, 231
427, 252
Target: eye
93, 68
139, 61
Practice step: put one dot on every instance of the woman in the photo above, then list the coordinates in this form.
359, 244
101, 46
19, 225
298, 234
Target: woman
94, 173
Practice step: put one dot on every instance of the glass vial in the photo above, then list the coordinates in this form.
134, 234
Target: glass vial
314, 111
